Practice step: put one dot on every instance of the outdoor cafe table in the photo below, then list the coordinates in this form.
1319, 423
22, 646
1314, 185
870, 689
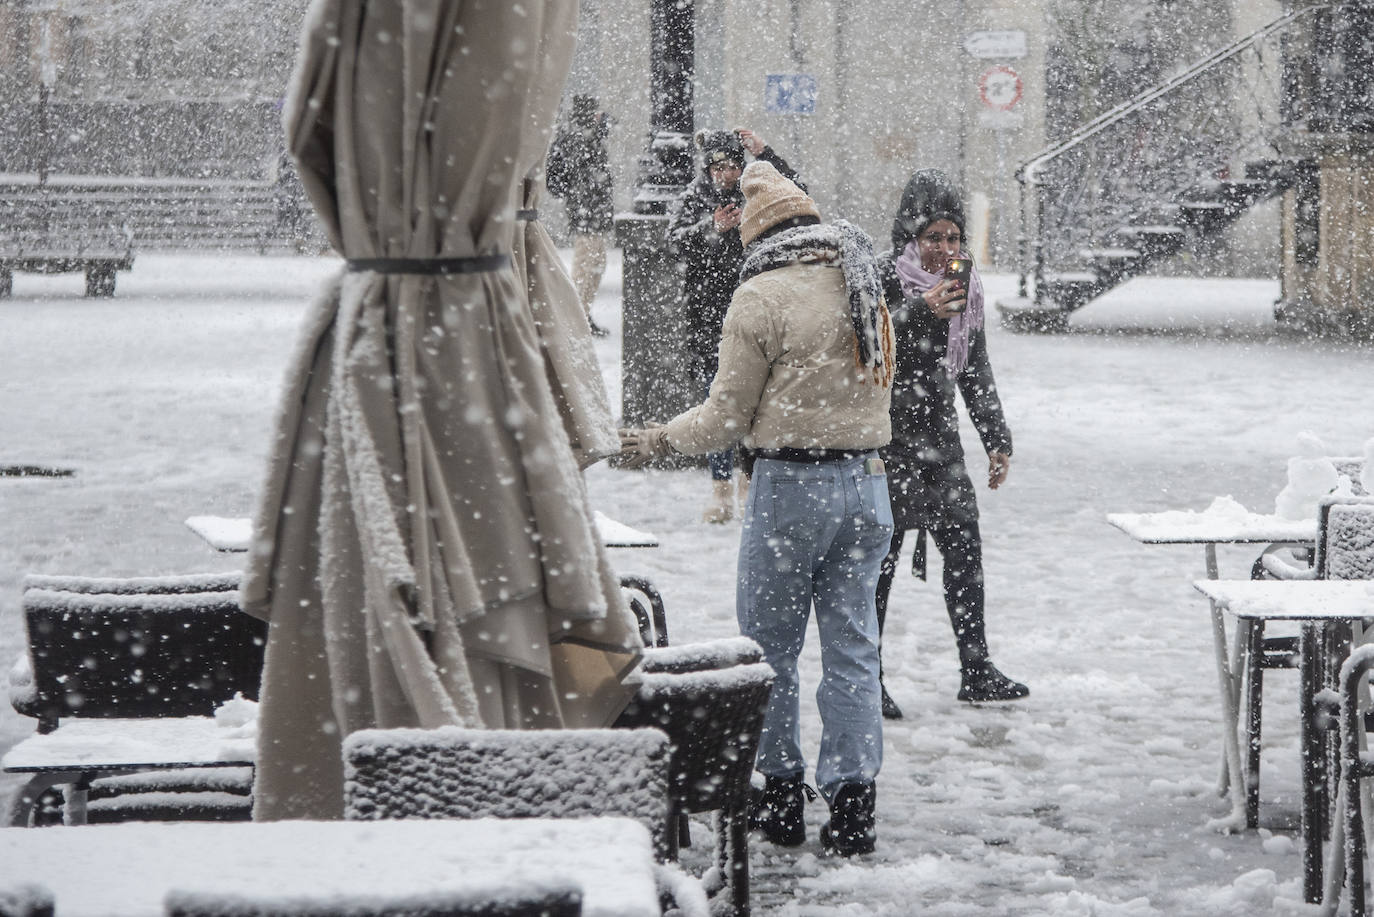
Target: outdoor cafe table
1221, 525
233, 533
126, 870
1317, 605
83, 750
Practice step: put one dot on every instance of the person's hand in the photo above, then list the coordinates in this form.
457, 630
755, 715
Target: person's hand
640, 446
727, 217
946, 299
998, 465
751, 141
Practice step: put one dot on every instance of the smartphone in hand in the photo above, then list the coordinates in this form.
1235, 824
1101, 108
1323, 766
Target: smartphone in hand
959, 269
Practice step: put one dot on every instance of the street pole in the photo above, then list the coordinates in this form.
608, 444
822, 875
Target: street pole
655, 381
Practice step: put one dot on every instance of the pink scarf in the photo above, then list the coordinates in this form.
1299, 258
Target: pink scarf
916, 280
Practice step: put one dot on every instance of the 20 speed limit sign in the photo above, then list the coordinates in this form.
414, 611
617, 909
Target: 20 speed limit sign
1000, 88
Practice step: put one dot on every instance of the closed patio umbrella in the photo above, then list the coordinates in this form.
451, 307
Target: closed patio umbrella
424, 551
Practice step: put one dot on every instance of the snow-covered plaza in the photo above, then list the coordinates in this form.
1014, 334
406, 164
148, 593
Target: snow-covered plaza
1092, 797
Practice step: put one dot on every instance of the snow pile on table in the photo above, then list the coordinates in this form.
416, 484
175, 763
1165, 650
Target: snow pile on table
1311, 476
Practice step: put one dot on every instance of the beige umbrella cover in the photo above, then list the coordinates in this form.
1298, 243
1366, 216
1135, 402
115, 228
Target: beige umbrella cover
424, 550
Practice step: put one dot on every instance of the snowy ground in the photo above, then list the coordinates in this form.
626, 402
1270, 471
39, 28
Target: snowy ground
1090, 798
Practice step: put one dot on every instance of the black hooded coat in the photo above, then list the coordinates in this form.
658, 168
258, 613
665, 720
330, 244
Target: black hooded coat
928, 481
710, 260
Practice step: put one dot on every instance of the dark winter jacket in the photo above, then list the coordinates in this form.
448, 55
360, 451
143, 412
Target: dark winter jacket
710, 260
927, 480
577, 170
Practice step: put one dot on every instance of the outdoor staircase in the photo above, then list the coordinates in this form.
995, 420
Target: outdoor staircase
1200, 212
1162, 174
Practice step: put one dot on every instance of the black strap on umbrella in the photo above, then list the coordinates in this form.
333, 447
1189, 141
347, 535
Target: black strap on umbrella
480, 264
528, 214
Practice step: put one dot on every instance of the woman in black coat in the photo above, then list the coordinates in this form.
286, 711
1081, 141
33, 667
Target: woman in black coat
941, 346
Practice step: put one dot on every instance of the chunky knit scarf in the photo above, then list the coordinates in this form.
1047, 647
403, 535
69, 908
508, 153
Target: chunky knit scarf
916, 280
849, 246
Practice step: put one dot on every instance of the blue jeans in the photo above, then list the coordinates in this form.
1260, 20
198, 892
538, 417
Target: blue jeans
817, 533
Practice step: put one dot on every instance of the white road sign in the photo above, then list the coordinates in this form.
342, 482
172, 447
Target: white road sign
1006, 43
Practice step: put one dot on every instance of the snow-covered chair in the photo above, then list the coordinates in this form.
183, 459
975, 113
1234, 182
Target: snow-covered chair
27, 900
1344, 550
499, 773
713, 718
146, 646
132, 648
1355, 765
529, 901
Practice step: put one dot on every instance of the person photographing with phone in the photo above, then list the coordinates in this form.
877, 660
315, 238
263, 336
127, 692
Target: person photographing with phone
941, 347
704, 231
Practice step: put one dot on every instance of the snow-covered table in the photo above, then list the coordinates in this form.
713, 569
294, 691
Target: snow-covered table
81, 750
127, 870
233, 534
1224, 522
1318, 606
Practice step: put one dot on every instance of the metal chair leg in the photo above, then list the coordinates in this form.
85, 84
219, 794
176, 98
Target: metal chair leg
1254, 709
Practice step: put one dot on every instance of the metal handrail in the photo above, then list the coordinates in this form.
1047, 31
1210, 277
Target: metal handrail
1031, 174
1025, 171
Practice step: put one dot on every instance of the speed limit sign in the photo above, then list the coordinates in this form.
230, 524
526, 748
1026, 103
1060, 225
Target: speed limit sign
1000, 88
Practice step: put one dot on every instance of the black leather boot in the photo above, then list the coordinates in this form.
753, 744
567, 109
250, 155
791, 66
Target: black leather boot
983, 682
851, 827
778, 810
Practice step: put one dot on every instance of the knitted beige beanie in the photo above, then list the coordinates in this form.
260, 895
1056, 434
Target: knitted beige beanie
770, 198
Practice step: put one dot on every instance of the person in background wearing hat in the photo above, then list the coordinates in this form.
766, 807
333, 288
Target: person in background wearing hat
580, 174
806, 362
704, 229
940, 346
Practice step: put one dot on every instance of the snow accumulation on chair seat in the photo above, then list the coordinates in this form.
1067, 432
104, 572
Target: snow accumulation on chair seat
476, 773
183, 805
661, 684
535, 898
26, 900
237, 781
700, 657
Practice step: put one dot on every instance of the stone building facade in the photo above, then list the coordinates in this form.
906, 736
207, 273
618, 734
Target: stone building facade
974, 87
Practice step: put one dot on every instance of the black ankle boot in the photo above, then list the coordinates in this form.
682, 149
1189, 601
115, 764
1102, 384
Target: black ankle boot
890, 709
983, 682
851, 829
778, 810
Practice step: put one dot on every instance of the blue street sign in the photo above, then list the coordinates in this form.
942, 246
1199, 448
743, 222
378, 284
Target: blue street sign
790, 94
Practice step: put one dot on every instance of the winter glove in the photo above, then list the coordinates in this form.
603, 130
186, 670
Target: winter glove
639, 447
